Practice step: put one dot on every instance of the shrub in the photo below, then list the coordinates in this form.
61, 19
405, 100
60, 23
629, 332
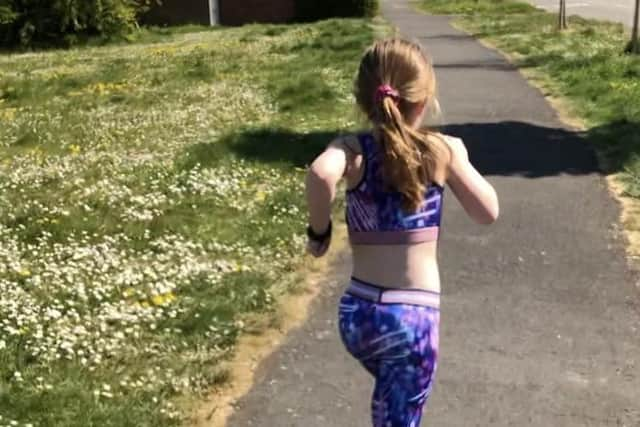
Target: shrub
62, 22
312, 10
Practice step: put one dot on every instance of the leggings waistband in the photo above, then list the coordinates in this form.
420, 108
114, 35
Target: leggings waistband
382, 295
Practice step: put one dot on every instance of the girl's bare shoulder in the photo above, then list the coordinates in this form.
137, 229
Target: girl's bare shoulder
454, 144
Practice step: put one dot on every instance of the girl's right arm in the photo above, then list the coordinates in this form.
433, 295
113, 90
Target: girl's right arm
475, 193
322, 179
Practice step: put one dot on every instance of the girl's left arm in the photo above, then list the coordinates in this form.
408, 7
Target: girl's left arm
321, 184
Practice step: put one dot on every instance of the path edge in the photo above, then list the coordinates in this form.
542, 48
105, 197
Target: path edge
252, 349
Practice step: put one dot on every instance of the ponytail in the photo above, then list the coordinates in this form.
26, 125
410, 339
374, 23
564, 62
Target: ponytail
410, 157
395, 78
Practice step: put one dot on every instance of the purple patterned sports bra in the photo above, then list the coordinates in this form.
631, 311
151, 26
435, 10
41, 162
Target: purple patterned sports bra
376, 217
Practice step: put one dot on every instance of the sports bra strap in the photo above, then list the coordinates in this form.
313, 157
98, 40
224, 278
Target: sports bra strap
366, 144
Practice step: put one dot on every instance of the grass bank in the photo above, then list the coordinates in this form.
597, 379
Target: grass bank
584, 66
151, 204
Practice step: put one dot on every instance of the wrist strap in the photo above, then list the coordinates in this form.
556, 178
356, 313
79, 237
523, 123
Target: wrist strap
319, 237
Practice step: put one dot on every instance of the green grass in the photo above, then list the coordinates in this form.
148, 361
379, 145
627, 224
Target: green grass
151, 204
584, 65
473, 7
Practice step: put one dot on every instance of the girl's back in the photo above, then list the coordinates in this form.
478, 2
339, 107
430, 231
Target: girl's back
390, 247
389, 315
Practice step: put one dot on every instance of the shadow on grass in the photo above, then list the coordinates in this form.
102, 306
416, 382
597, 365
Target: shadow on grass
619, 142
276, 146
518, 148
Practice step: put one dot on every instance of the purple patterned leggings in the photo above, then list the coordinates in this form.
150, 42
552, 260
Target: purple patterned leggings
398, 345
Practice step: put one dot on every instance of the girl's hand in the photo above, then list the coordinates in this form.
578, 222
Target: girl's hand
318, 249
318, 243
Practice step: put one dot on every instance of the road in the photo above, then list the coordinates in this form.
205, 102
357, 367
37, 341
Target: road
610, 10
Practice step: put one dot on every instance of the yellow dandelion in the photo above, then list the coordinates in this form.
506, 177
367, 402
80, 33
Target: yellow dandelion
163, 299
163, 51
101, 88
8, 114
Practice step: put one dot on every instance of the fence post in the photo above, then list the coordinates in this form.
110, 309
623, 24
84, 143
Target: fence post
213, 12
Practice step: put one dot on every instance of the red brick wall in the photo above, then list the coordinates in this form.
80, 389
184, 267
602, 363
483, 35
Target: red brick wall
177, 12
238, 12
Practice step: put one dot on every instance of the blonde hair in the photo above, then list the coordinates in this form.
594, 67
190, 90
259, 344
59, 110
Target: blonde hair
394, 79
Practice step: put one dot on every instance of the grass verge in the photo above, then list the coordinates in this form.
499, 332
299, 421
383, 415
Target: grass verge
584, 66
254, 348
151, 206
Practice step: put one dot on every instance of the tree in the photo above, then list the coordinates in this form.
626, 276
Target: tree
562, 15
65, 22
634, 45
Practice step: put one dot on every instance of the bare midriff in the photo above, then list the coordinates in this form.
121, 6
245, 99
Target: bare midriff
398, 266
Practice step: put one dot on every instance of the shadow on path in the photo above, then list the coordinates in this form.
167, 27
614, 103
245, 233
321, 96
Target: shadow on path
517, 148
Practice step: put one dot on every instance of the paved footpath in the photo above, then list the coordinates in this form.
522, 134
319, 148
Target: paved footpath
540, 320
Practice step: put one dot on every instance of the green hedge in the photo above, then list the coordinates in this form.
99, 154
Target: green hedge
312, 10
63, 22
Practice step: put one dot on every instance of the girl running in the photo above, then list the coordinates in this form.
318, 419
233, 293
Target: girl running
395, 175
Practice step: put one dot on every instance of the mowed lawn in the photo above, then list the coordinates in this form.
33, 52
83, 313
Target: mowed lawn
150, 205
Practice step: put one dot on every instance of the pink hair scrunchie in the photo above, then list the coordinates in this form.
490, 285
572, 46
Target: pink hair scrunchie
385, 90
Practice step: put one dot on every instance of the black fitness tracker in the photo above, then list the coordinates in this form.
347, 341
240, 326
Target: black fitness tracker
320, 238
